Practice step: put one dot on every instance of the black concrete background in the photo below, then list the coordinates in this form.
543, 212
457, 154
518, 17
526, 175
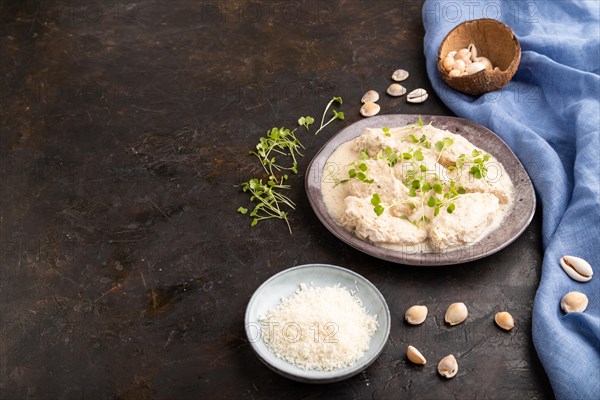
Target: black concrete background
125, 269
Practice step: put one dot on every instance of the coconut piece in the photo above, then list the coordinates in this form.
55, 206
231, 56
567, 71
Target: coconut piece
493, 39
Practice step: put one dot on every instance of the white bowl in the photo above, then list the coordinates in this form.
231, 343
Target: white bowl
284, 284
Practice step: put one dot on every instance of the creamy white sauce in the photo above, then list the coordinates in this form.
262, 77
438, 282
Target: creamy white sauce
347, 156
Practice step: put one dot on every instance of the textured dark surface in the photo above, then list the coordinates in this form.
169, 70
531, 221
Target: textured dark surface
125, 269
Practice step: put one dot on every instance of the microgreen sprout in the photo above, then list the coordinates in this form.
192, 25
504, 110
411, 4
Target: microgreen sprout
376, 201
392, 157
360, 174
278, 142
338, 181
336, 114
478, 159
449, 193
306, 121
422, 141
386, 132
270, 201
442, 145
433, 192
411, 154
412, 127
418, 155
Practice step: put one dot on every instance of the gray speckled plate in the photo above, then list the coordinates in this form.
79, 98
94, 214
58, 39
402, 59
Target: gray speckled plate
513, 225
284, 284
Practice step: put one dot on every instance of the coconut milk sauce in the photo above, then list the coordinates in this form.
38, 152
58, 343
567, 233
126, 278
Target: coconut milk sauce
336, 169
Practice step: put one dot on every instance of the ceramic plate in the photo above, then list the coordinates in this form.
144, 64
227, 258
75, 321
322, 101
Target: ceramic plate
284, 284
514, 224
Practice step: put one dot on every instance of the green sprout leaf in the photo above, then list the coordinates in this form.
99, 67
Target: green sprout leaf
306, 121
375, 199
442, 145
391, 157
270, 201
336, 114
451, 208
418, 155
431, 202
478, 158
476, 172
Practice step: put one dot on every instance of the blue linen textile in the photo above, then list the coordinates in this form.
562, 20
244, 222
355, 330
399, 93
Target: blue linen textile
549, 114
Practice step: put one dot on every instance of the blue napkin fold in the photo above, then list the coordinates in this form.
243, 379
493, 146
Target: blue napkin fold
549, 114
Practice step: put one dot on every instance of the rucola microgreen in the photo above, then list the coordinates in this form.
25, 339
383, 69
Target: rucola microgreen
376, 201
478, 159
306, 121
277, 144
442, 145
361, 173
336, 114
270, 200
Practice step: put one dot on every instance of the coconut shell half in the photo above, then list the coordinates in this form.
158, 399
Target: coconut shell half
493, 40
